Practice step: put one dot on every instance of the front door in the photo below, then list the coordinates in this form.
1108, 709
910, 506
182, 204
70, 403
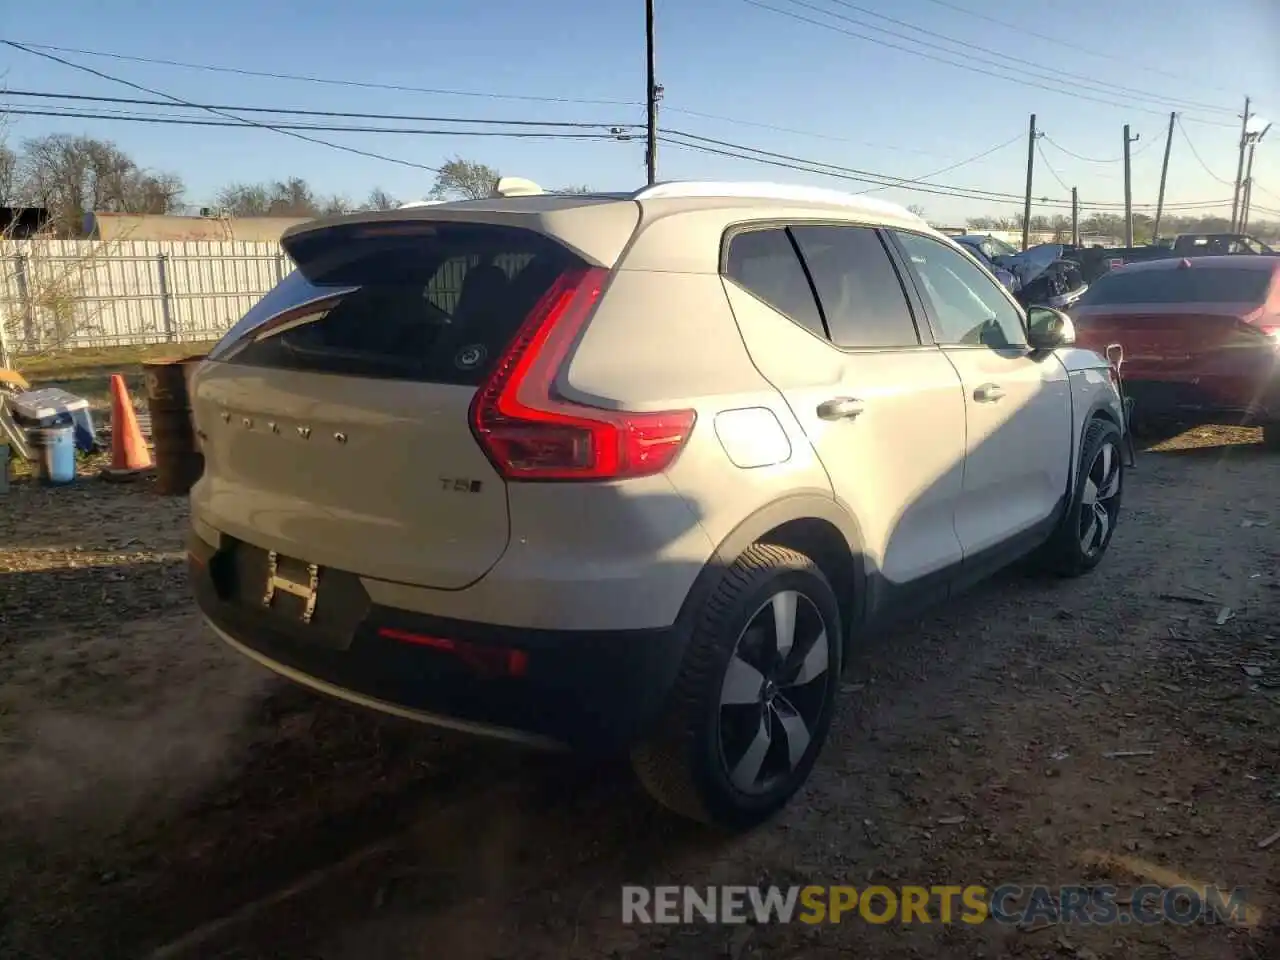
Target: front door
1017, 404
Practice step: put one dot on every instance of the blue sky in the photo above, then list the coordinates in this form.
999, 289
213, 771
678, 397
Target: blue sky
843, 100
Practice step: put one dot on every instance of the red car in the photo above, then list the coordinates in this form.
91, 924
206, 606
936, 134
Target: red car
1201, 336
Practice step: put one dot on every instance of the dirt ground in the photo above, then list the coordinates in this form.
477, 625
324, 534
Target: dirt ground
160, 796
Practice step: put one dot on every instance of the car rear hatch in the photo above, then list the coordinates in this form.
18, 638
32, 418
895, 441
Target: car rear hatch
335, 416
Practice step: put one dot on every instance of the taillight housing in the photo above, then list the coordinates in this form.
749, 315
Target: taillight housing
531, 433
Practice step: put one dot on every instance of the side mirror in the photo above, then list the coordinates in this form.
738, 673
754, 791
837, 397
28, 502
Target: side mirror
1048, 329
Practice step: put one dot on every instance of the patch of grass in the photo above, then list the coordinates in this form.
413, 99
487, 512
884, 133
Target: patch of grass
87, 373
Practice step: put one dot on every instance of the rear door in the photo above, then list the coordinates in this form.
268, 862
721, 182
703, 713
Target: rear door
335, 415
883, 411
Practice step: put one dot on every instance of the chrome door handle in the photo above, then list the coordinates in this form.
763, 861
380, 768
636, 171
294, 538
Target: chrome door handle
839, 408
988, 393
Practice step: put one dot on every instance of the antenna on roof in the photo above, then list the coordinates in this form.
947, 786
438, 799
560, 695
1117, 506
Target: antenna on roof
515, 187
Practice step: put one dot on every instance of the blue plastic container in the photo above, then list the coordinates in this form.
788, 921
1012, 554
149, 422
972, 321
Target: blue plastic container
55, 453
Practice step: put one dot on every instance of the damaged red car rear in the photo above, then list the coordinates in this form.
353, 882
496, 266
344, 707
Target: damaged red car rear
1201, 336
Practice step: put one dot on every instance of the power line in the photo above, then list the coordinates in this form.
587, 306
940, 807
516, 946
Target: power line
1196, 153
1075, 94
229, 116
319, 113
1131, 92
1062, 43
365, 84
1048, 166
744, 152
961, 163
1049, 140
321, 128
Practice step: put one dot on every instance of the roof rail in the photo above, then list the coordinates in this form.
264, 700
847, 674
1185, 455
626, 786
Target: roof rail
677, 189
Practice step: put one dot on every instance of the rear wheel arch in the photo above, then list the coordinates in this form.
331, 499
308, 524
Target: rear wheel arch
816, 526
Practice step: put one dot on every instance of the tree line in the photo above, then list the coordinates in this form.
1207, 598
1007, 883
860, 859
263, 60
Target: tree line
73, 175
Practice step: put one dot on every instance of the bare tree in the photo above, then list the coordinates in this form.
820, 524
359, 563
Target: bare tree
293, 197
460, 179
579, 190
75, 175
379, 199
8, 176
916, 209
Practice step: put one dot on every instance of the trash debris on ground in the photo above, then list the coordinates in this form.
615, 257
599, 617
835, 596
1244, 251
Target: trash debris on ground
1121, 754
1225, 614
1268, 841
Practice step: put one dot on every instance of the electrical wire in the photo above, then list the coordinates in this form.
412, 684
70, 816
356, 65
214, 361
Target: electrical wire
1057, 146
368, 85
320, 113
1001, 56
1064, 43
1048, 166
1196, 153
739, 151
1023, 81
229, 116
955, 166
319, 128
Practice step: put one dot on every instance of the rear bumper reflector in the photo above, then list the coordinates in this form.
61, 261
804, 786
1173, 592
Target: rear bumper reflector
483, 659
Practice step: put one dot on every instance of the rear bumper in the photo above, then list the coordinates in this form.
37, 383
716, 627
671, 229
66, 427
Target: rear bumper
1243, 397
588, 691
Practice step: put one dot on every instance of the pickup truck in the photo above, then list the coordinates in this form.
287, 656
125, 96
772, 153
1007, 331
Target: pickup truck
1095, 261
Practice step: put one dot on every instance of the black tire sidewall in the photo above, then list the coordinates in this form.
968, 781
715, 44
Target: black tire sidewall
723, 800
1096, 435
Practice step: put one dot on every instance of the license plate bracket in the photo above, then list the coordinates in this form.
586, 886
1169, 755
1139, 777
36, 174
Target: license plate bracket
294, 578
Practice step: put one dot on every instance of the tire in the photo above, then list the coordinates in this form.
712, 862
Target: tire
699, 762
1086, 529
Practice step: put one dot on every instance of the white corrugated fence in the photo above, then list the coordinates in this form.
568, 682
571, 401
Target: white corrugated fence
68, 294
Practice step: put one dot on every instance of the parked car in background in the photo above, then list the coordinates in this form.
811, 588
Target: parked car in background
1201, 336
633, 472
1040, 275
987, 249
1096, 261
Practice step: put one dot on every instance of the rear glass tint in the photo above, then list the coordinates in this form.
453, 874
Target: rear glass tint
415, 300
1198, 284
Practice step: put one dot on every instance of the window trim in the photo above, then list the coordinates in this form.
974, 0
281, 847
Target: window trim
1022, 348
914, 302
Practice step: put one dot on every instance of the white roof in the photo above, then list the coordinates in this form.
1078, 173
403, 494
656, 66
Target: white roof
421, 203
783, 192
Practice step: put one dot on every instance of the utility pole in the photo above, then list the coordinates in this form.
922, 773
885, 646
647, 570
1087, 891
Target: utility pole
1164, 176
1128, 190
1247, 189
1031, 162
1244, 139
651, 97
1075, 217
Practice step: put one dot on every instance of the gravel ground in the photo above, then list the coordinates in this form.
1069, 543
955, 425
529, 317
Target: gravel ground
158, 793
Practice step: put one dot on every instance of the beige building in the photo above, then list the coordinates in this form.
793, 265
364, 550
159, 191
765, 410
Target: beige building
125, 226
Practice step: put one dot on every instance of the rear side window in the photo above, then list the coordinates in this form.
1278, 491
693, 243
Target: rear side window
1202, 283
858, 287
433, 302
764, 263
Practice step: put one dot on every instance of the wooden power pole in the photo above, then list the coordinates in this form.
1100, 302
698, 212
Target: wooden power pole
1075, 217
1026, 206
651, 97
1164, 176
1244, 139
1128, 190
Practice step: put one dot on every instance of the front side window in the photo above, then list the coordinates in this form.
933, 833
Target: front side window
968, 307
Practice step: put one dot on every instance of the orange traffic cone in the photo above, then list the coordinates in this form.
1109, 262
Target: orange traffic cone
129, 453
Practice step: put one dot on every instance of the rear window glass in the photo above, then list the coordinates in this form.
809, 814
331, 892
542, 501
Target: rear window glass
1198, 284
407, 301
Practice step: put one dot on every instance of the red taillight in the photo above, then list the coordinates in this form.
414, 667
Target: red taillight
529, 433
486, 661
